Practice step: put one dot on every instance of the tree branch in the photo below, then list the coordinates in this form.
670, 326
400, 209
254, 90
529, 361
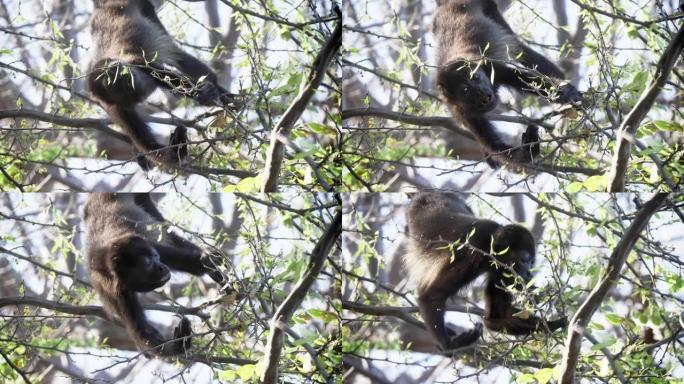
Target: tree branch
444, 122
274, 159
628, 128
274, 346
587, 309
94, 310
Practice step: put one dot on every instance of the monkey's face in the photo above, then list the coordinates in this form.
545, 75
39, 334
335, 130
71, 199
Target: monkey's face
524, 264
469, 89
520, 249
139, 266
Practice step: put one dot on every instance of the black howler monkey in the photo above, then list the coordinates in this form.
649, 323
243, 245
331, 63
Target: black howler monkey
129, 251
449, 248
134, 54
478, 52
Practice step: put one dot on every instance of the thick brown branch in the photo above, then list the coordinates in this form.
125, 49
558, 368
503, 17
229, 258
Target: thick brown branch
97, 124
628, 128
587, 309
283, 314
93, 310
276, 150
444, 122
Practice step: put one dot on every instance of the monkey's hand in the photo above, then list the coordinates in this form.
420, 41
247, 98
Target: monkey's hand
530, 142
568, 94
183, 330
151, 336
178, 140
556, 324
208, 94
491, 161
229, 99
211, 94
464, 338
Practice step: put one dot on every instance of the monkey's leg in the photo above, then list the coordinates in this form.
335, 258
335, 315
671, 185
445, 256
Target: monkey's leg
431, 306
486, 134
491, 10
432, 303
120, 86
144, 201
131, 314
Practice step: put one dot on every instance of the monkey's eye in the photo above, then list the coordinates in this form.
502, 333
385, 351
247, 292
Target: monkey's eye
465, 90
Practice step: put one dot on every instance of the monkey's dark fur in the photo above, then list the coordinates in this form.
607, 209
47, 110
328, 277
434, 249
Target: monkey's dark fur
478, 52
129, 251
438, 221
134, 54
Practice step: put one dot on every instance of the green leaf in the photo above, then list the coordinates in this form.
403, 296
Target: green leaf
526, 378
614, 319
573, 187
596, 183
543, 376
247, 372
638, 82
667, 125
250, 184
325, 316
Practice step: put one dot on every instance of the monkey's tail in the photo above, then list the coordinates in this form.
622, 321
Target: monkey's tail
141, 135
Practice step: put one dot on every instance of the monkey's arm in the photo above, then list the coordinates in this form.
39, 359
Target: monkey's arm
196, 69
187, 257
148, 10
186, 83
523, 80
534, 60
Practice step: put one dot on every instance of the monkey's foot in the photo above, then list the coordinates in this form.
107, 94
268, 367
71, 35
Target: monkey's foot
183, 330
568, 94
144, 163
178, 140
530, 142
490, 161
228, 99
557, 324
465, 338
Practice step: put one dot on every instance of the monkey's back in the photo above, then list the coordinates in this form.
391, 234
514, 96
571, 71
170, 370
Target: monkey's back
110, 216
126, 34
464, 32
436, 221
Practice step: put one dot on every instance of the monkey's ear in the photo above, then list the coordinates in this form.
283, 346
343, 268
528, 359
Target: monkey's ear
126, 249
